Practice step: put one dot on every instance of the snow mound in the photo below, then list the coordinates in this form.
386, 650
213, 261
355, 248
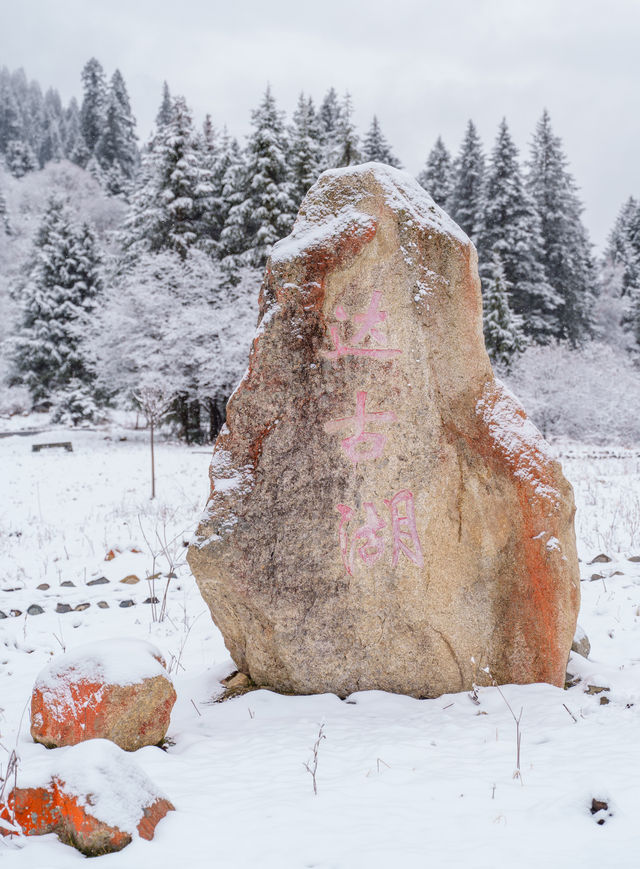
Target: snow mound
102, 778
121, 661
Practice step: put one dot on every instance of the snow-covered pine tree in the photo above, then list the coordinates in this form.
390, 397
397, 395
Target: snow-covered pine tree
305, 149
19, 158
94, 103
346, 150
466, 205
566, 248
50, 355
268, 209
502, 328
375, 146
75, 147
169, 211
165, 111
11, 127
437, 176
328, 117
116, 149
623, 248
51, 145
511, 229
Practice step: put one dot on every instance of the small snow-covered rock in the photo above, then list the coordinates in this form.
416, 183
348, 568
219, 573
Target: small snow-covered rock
581, 644
92, 795
117, 690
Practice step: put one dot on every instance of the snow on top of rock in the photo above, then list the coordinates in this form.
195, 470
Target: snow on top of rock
517, 438
120, 661
103, 778
320, 218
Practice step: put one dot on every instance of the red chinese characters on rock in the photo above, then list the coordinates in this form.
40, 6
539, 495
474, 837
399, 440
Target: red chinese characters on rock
367, 541
368, 323
362, 445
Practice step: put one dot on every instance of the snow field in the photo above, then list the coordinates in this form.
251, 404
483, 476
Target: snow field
401, 782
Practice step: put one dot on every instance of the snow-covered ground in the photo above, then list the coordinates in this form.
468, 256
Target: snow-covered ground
401, 782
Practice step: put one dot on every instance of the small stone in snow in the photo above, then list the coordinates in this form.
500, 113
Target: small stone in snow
634, 558
101, 580
103, 605
35, 610
125, 603
600, 559
16, 613
3, 615
132, 579
152, 600
43, 586
81, 607
63, 608
68, 584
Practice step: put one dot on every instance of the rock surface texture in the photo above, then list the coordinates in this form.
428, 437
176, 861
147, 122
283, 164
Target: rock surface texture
117, 690
382, 514
92, 796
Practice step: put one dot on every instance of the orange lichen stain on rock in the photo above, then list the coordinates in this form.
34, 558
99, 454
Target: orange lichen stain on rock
111, 554
151, 817
69, 716
51, 809
501, 440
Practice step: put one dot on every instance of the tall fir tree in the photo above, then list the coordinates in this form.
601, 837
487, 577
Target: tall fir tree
94, 103
375, 146
466, 206
511, 230
169, 211
305, 148
116, 149
165, 111
566, 248
267, 212
50, 354
437, 176
328, 119
11, 127
623, 248
75, 147
346, 151
502, 328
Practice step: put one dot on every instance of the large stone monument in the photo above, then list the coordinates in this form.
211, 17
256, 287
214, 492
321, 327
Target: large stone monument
382, 513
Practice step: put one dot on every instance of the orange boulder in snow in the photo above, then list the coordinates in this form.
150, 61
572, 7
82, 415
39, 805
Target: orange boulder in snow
117, 690
92, 796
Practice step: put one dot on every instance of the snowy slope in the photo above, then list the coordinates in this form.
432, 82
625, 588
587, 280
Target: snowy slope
401, 782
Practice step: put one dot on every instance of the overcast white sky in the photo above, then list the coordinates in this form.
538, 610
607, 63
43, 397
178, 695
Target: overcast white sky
423, 67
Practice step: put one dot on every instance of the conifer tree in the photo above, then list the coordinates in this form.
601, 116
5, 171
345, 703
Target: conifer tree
165, 112
266, 213
11, 127
305, 150
346, 150
328, 118
51, 146
116, 149
566, 248
19, 158
75, 147
50, 353
623, 249
169, 210
502, 328
94, 103
375, 146
511, 230
437, 176
466, 206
